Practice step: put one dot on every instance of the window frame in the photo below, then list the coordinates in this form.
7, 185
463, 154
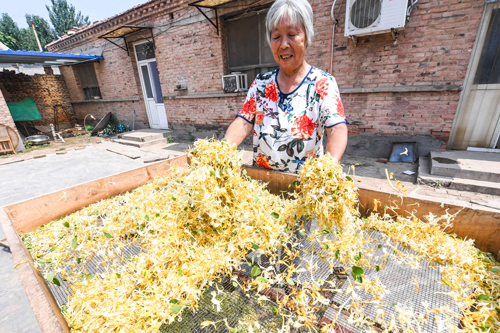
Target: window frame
90, 91
238, 16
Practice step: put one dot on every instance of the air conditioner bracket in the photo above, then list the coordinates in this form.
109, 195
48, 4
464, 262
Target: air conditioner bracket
395, 35
355, 40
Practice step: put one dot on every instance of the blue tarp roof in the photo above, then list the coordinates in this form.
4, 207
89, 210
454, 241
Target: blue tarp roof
44, 58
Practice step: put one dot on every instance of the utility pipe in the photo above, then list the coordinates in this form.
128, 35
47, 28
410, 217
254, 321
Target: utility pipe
36, 36
335, 22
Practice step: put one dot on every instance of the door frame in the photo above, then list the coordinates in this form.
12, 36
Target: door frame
457, 136
140, 63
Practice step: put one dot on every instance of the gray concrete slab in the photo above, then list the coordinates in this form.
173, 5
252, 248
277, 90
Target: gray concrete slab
456, 183
466, 165
370, 167
145, 135
32, 178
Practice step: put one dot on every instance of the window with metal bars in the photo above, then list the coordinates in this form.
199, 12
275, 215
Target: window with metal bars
247, 48
88, 81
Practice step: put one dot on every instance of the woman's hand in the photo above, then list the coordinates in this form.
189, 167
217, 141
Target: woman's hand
337, 140
238, 131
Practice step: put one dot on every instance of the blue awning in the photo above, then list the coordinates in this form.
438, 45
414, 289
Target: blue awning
45, 58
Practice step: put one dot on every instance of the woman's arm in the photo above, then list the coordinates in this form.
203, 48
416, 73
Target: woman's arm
337, 140
238, 131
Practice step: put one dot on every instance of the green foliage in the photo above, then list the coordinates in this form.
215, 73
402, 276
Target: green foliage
7, 40
44, 31
64, 17
10, 30
255, 271
17, 38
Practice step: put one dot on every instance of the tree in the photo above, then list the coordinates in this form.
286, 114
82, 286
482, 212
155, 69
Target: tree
24, 39
63, 16
10, 31
7, 40
45, 33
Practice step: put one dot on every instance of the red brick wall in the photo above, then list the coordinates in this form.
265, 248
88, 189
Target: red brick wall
116, 75
204, 112
46, 90
122, 111
414, 113
388, 89
72, 83
433, 50
5, 117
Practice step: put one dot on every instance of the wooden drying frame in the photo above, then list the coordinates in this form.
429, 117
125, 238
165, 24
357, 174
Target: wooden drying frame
479, 223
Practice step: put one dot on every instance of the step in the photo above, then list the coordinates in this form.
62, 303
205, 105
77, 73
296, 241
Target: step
466, 165
140, 144
461, 184
424, 176
145, 135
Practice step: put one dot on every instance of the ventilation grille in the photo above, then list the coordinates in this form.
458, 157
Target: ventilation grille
234, 82
364, 13
368, 17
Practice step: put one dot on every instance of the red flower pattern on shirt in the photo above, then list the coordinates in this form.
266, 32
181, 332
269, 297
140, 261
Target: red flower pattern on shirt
340, 108
322, 87
259, 117
303, 127
272, 91
311, 153
262, 161
249, 109
303, 120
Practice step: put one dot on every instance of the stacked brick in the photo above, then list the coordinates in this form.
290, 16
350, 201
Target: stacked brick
411, 87
48, 91
5, 117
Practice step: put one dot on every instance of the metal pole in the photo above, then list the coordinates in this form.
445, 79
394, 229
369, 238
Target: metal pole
36, 36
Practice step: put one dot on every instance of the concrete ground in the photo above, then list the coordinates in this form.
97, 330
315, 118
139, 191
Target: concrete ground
85, 159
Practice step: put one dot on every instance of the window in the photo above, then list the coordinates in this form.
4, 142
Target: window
145, 51
488, 69
247, 48
88, 80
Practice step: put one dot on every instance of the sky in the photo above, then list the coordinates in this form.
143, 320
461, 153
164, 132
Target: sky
95, 9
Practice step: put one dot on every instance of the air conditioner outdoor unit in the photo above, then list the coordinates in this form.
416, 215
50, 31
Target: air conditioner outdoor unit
369, 17
234, 82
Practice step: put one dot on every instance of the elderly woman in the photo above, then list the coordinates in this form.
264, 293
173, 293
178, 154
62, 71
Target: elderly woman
292, 107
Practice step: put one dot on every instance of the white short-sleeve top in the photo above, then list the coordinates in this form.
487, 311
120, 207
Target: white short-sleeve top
289, 128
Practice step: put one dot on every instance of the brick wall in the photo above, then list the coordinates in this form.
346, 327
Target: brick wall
47, 91
72, 83
123, 112
409, 88
431, 54
5, 117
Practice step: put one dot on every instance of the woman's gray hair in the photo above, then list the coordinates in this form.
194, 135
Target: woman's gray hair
298, 12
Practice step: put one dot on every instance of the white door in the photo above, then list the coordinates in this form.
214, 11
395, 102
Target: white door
477, 123
150, 82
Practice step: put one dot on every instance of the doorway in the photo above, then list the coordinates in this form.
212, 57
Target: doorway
150, 82
477, 123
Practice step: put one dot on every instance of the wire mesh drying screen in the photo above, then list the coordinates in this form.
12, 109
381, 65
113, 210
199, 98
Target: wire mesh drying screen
206, 249
226, 304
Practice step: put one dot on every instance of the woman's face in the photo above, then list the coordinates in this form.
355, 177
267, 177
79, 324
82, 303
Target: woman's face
288, 44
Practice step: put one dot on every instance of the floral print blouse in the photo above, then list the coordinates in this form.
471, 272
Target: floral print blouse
289, 128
